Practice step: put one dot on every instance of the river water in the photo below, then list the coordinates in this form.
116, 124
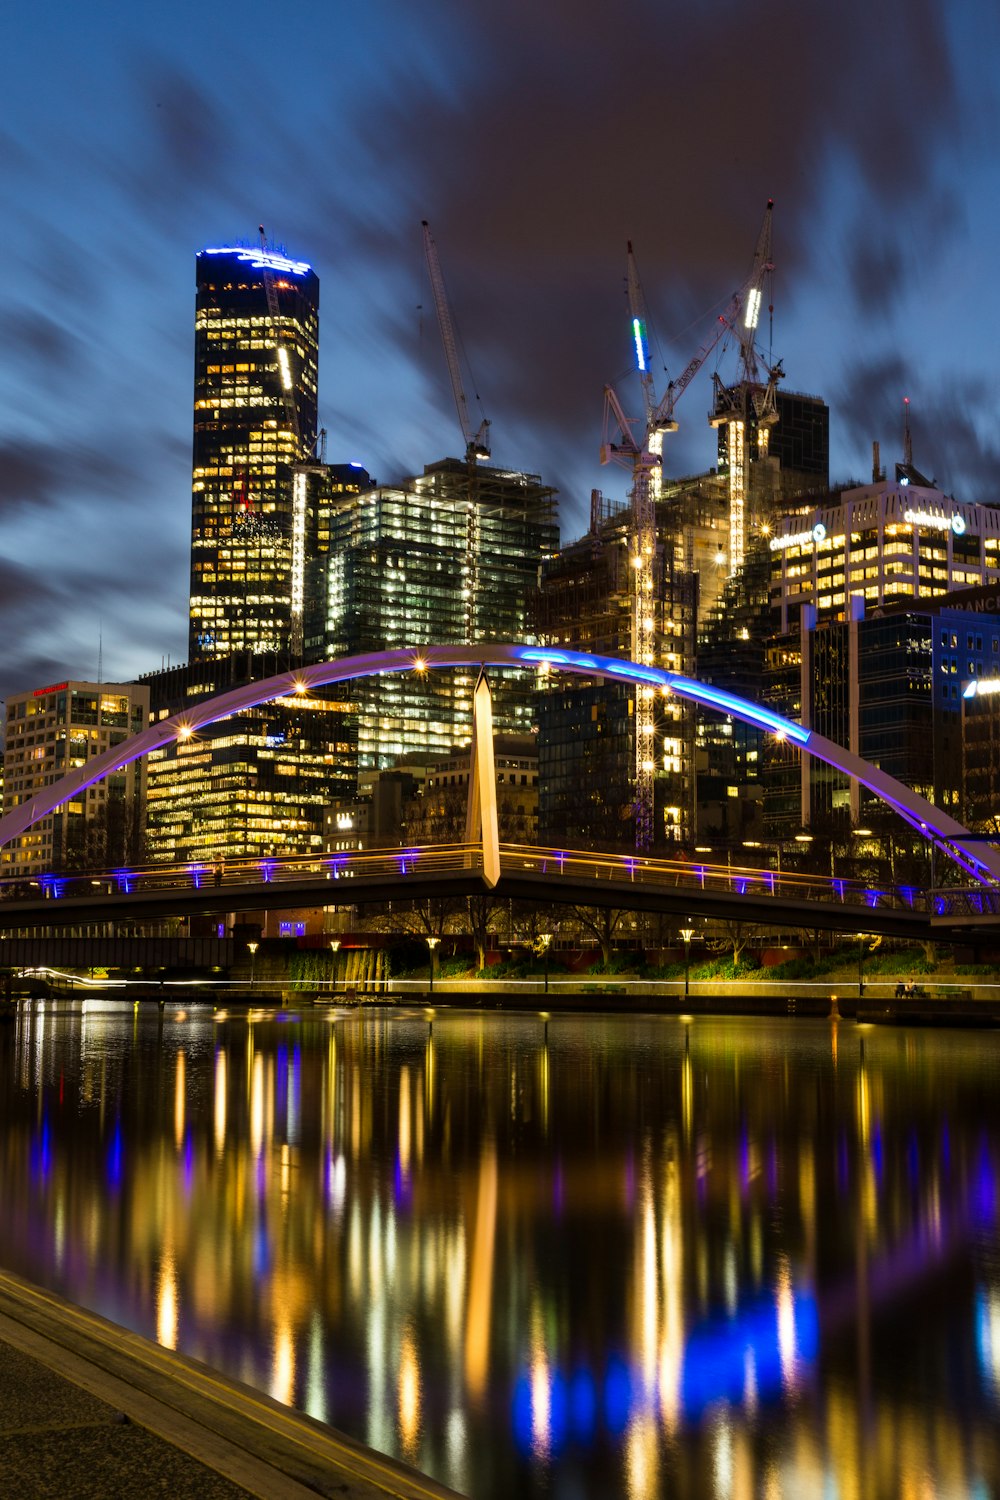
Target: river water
584, 1257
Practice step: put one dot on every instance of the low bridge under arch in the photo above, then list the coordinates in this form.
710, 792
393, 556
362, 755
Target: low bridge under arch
972, 853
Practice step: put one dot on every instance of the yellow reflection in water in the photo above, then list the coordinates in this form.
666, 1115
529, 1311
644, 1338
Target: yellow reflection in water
220, 1100
180, 1090
404, 1122
166, 1302
541, 1385
283, 1364
257, 1104
786, 1321
409, 1395
477, 1332
672, 1252
642, 1459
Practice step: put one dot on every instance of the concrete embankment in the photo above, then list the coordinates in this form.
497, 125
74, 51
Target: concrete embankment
88, 1408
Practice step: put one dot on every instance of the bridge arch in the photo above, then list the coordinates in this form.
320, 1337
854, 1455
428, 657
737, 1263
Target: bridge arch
973, 856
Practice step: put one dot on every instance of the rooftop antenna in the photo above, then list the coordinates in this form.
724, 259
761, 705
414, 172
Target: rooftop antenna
907, 440
100, 649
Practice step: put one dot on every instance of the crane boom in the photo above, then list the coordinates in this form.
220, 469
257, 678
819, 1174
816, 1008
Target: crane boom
477, 444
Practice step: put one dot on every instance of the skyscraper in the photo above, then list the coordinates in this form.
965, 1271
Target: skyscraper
256, 362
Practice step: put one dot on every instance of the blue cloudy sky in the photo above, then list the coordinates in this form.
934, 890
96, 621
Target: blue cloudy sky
536, 138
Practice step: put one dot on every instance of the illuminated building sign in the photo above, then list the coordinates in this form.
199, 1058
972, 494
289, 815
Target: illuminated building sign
981, 687
954, 522
57, 687
260, 260
799, 538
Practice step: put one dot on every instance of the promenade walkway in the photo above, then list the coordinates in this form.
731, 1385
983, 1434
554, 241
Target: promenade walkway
90, 1411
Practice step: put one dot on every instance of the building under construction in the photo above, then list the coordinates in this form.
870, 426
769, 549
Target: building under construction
587, 730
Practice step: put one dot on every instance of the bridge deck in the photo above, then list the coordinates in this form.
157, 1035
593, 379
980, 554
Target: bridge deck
549, 876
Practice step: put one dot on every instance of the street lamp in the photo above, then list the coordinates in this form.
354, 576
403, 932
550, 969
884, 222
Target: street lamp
861, 965
545, 938
334, 949
687, 933
253, 960
432, 943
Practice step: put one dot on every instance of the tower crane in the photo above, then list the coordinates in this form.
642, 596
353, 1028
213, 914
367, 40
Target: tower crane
477, 444
752, 399
643, 454
301, 450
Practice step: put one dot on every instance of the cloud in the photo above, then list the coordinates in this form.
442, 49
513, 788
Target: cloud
951, 422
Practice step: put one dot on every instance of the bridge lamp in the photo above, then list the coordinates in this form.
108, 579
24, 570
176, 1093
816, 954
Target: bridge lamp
334, 949
545, 938
687, 933
432, 943
252, 948
861, 964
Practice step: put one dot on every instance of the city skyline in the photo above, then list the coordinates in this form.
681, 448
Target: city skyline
128, 149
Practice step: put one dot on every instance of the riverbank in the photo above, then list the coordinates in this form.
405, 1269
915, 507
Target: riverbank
88, 1408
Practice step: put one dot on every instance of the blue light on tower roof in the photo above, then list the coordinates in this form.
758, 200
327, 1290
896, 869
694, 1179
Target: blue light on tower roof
260, 260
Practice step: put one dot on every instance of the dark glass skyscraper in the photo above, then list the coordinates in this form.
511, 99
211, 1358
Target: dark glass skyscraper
256, 363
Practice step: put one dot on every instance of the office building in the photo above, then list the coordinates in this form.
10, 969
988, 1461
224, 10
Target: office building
893, 686
255, 417
883, 542
253, 785
55, 730
453, 555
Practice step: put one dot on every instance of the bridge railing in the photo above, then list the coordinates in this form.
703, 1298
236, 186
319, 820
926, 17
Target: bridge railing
578, 866
697, 875
956, 902
376, 864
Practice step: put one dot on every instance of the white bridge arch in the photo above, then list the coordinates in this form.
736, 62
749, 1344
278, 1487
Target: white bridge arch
972, 854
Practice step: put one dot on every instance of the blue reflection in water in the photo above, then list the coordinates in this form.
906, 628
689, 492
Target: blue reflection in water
719, 1356
261, 1250
617, 1395
583, 1405
116, 1157
40, 1154
718, 1353
188, 1164
985, 1200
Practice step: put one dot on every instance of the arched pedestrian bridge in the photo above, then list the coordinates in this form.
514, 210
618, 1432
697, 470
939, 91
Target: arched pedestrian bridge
973, 854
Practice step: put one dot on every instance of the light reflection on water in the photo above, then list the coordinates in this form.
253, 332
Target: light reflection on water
589, 1257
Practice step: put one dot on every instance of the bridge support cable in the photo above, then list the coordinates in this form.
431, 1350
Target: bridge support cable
481, 822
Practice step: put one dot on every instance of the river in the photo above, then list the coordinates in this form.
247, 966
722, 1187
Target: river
582, 1256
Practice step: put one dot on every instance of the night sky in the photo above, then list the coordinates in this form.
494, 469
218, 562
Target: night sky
536, 138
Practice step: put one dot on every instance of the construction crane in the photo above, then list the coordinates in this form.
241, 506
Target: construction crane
752, 401
643, 454
302, 452
477, 444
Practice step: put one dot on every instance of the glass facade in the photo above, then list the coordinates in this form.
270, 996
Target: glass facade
255, 417
449, 557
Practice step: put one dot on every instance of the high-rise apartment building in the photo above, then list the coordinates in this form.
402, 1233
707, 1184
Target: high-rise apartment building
55, 730
451, 556
255, 418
